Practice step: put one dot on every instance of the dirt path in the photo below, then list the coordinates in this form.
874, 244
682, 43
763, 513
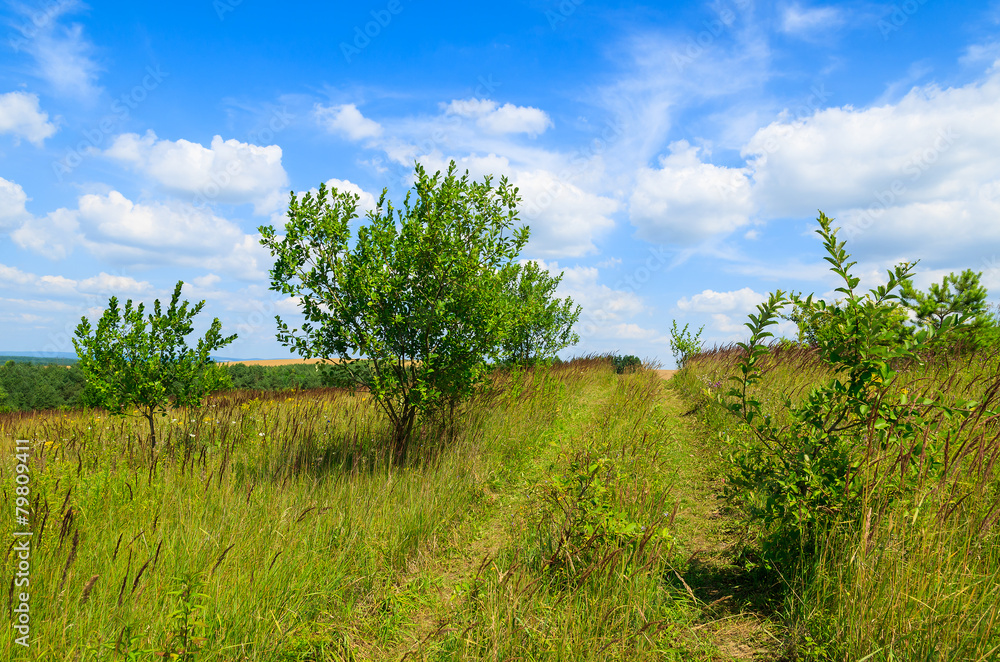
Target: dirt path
738, 616
735, 618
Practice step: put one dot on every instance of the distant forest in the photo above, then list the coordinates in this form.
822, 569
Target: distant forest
32, 383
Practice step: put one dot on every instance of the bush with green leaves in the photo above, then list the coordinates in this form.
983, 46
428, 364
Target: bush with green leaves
542, 324
684, 344
128, 366
957, 295
628, 363
423, 292
852, 440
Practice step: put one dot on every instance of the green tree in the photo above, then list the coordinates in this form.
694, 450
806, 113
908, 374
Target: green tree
421, 293
932, 307
129, 366
542, 325
4, 405
684, 344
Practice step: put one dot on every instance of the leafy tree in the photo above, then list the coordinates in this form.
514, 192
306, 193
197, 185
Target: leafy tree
684, 344
542, 324
422, 293
129, 366
816, 325
4, 404
932, 307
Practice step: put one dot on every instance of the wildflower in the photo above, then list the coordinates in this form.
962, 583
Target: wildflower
191, 435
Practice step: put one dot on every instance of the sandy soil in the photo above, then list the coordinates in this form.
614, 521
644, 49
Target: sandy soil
279, 361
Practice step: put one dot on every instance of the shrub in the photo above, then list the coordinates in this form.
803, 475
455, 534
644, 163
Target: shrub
627, 363
851, 439
684, 344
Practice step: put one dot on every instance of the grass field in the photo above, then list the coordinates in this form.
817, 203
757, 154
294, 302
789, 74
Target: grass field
571, 514
917, 575
557, 521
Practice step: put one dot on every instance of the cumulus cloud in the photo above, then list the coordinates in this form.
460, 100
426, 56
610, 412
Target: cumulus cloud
227, 171
602, 305
710, 301
53, 285
366, 201
494, 118
348, 121
12, 201
21, 116
565, 219
53, 236
685, 201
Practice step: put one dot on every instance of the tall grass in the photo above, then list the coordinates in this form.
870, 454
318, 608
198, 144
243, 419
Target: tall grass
918, 576
263, 528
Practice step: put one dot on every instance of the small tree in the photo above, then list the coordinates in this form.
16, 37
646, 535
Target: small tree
129, 366
684, 344
423, 293
542, 325
939, 302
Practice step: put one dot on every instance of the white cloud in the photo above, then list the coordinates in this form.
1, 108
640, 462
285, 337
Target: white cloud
62, 54
798, 20
565, 219
109, 283
227, 171
366, 201
55, 285
494, 118
21, 116
601, 304
116, 225
53, 236
348, 121
12, 200
710, 301
686, 201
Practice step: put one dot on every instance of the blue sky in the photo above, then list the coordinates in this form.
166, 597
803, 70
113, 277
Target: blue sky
671, 157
